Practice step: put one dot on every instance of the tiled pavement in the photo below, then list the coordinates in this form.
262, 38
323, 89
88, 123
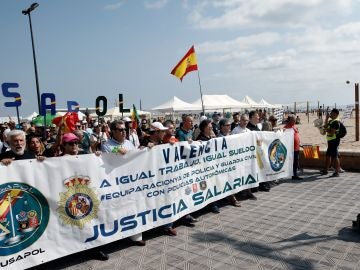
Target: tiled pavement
303, 224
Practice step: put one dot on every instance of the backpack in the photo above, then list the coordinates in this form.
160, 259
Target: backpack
342, 131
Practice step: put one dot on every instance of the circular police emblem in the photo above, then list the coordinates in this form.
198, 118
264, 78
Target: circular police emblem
277, 155
79, 204
24, 215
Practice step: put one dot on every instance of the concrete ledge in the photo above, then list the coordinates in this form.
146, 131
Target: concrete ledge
349, 160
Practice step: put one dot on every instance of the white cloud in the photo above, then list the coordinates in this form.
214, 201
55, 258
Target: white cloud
308, 48
230, 56
342, 39
255, 13
277, 60
240, 43
114, 6
155, 4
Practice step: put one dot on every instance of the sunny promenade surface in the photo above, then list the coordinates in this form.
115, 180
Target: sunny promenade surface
302, 224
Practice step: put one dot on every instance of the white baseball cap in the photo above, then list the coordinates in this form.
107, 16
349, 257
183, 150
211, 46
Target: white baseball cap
157, 126
202, 118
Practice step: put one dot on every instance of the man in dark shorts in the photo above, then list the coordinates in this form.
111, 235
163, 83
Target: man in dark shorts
332, 153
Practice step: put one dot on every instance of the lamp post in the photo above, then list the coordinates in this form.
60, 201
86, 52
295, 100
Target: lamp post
356, 110
27, 12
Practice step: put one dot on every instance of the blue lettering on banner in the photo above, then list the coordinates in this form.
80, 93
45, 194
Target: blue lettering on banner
132, 221
178, 167
242, 150
202, 196
132, 178
128, 178
178, 153
143, 187
105, 183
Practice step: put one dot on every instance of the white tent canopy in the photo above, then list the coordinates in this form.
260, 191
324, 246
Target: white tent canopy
266, 104
175, 104
250, 102
215, 102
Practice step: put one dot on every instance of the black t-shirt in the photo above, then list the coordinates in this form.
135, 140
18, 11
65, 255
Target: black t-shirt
234, 125
147, 140
202, 137
216, 128
335, 125
252, 127
48, 152
11, 154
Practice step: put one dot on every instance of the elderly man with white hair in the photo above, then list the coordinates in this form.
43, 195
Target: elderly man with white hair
17, 143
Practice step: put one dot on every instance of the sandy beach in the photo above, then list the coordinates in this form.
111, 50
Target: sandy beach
311, 135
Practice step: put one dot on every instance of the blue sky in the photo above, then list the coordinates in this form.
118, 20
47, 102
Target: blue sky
282, 51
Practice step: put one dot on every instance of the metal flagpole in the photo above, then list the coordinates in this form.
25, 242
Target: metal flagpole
201, 95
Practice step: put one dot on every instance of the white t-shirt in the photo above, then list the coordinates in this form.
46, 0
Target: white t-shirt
238, 130
134, 139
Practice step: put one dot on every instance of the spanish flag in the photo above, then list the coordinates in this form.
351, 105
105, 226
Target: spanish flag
187, 64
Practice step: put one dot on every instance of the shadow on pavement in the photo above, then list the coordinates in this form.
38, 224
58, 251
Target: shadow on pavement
257, 249
274, 253
306, 177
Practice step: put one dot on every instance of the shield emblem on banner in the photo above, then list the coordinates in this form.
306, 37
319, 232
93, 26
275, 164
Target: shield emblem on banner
203, 185
194, 187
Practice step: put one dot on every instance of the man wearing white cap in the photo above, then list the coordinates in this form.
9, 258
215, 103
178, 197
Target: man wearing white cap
156, 135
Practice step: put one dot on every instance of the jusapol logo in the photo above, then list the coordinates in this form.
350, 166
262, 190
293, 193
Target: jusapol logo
277, 155
24, 215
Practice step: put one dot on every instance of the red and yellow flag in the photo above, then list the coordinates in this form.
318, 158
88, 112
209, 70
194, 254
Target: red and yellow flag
67, 122
187, 64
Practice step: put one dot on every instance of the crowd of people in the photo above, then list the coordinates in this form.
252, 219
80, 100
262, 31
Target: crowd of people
119, 136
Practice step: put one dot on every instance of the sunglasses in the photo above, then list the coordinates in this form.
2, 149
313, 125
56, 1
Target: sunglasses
73, 143
120, 129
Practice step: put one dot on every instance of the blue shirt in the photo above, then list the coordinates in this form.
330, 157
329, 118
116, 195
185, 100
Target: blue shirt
183, 135
113, 146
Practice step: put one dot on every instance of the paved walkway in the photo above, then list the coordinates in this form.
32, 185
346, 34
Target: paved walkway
304, 224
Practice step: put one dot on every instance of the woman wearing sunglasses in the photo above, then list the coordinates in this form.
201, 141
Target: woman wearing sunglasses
70, 145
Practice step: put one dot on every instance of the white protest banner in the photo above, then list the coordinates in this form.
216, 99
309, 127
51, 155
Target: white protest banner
68, 204
347, 113
279, 114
